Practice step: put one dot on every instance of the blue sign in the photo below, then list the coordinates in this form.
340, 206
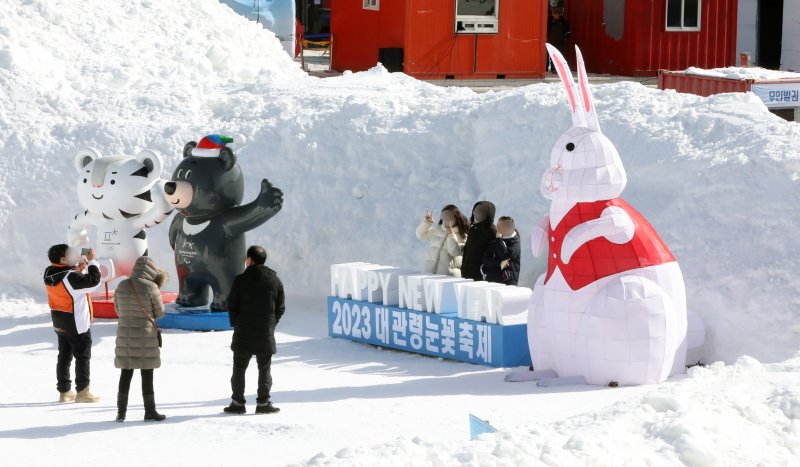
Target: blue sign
438, 335
783, 95
478, 427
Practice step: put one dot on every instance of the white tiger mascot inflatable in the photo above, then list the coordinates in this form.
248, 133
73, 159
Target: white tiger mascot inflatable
121, 196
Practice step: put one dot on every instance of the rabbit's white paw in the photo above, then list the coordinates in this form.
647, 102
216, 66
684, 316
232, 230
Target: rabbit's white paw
614, 224
539, 235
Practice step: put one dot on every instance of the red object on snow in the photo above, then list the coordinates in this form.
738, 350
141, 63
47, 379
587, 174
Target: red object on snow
701, 85
298, 37
103, 303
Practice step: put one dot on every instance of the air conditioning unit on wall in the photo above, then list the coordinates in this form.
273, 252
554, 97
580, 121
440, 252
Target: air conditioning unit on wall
476, 16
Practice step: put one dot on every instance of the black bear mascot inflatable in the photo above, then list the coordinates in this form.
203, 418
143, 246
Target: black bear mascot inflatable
208, 231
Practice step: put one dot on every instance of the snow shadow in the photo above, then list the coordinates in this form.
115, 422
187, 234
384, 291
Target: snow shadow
16, 332
342, 355
60, 431
480, 384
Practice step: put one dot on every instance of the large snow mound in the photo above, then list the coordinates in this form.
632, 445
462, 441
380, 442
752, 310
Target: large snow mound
744, 414
361, 156
75, 48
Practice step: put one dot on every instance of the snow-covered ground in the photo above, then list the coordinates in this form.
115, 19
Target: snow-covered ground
333, 394
347, 404
360, 157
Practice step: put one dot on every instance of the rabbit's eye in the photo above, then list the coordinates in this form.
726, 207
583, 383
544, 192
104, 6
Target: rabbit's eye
570, 147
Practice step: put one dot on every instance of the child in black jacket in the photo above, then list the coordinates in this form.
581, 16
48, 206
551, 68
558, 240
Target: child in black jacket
501, 261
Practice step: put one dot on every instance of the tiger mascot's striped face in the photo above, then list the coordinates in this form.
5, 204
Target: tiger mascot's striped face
116, 187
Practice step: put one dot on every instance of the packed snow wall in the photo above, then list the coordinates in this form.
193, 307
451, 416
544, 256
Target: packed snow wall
360, 157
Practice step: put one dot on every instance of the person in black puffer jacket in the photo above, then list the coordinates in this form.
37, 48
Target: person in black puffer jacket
481, 233
501, 262
255, 306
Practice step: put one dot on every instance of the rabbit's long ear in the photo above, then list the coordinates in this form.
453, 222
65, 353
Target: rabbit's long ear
585, 98
562, 68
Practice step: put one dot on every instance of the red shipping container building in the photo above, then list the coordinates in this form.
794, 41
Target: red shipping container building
619, 37
639, 37
435, 43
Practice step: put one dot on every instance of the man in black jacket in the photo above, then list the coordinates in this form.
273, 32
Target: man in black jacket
255, 306
557, 32
481, 233
68, 290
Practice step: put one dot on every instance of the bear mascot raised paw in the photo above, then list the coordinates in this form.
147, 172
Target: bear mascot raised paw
208, 231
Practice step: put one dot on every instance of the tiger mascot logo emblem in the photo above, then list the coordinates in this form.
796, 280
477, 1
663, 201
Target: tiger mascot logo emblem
121, 196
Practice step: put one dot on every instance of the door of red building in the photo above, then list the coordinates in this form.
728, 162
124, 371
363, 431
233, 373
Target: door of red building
770, 33
588, 32
614, 19
599, 28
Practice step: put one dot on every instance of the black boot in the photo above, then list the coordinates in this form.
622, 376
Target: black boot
122, 406
266, 408
235, 408
150, 414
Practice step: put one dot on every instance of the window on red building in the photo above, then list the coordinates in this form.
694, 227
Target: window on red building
683, 15
372, 4
476, 16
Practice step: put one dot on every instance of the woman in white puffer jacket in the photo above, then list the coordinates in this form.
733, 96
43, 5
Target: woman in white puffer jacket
446, 240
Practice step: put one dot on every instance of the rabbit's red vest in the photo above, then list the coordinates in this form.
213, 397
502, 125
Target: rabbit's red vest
599, 257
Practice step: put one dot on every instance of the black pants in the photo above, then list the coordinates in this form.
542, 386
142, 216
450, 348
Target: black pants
240, 362
125, 377
71, 344
562, 47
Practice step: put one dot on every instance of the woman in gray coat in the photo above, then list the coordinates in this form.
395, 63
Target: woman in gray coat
137, 338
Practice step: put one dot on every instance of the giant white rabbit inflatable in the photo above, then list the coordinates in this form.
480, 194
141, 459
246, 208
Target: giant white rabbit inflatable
121, 196
611, 307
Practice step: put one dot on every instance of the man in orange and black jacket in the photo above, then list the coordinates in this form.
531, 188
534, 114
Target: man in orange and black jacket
68, 290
